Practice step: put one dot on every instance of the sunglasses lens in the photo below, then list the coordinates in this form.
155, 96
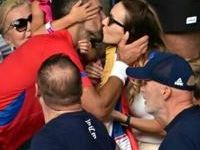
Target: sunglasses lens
21, 24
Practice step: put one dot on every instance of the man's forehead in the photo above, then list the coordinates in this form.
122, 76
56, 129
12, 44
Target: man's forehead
153, 83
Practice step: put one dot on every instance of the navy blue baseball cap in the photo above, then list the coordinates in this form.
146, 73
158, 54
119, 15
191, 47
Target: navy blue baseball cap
166, 68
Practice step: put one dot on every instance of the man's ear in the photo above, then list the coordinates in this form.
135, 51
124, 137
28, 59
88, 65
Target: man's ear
38, 94
36, 90
166, 91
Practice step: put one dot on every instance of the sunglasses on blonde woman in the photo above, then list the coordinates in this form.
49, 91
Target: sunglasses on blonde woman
20, 24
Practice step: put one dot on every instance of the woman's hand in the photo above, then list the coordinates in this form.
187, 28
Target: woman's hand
81, 12
118, 116
129, 53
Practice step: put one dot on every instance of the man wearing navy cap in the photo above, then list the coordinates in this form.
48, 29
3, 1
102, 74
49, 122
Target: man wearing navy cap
168, 90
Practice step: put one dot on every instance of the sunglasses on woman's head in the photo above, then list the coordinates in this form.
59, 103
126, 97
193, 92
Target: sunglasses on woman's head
20, 24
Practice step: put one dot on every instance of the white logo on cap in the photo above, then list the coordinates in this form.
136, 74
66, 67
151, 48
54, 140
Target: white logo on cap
179, 82
191, 20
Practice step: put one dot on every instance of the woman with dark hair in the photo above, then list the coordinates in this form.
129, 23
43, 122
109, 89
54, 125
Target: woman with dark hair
137, 18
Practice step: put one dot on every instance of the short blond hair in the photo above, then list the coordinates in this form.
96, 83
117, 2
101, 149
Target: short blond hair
5, 7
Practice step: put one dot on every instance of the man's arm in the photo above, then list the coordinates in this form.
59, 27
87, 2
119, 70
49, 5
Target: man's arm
19, 70
101, 103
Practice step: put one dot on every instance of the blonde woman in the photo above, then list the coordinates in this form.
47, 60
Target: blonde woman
16, 20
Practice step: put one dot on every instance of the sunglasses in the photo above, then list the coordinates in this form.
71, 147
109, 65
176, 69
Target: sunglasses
112, 21
20, 24
131, 32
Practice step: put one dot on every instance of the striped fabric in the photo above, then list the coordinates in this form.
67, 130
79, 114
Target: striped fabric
122, 135
4, 49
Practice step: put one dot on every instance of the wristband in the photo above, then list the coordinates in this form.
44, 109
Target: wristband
48, 27
119, 70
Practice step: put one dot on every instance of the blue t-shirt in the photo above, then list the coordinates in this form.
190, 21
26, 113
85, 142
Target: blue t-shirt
183, 132
73, 131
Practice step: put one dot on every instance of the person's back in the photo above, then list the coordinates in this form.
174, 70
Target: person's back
73, 131
183, 132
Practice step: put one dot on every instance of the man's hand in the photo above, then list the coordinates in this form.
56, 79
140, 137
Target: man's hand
131, 52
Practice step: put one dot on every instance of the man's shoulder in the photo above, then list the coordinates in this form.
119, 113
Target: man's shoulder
185, 129
57, 35
59, 39
177, 139
70, 127
187, 120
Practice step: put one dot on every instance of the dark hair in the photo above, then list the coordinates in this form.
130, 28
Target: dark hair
60, 8
142, 20
59, 81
